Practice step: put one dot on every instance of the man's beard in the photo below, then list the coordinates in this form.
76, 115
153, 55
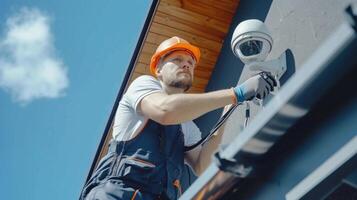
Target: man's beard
181, 84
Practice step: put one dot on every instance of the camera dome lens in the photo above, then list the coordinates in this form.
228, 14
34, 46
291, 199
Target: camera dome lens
251, 47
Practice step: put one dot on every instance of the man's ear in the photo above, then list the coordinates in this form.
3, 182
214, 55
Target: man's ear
158, 73
158, 69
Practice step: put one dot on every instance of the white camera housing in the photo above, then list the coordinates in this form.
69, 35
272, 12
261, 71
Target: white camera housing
252, 43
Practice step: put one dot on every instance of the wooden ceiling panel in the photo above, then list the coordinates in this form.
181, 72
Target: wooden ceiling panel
222, 5
202, 73
189, 36
204, 23
193, 17
188, 26
207, 8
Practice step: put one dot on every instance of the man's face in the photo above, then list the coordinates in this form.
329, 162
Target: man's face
176, 70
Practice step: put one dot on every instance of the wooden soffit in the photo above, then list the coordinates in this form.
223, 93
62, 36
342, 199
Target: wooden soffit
204, 23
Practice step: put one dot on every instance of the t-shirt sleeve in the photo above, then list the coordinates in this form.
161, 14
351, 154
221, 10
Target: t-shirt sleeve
191, 132
139, 88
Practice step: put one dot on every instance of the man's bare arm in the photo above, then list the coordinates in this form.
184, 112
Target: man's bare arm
177, 108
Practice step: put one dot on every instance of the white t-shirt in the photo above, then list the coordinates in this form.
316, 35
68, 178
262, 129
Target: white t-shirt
128, 119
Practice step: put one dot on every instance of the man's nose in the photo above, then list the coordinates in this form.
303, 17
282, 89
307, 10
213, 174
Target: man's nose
186, 65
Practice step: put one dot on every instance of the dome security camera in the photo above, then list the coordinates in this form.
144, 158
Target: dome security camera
252, 43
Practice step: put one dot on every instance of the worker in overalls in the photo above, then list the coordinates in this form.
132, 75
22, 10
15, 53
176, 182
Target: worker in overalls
153, 124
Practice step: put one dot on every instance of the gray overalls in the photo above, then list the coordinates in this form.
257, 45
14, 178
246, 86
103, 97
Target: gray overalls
149, 166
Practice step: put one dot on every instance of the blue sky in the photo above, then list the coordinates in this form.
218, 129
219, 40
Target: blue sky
61, 66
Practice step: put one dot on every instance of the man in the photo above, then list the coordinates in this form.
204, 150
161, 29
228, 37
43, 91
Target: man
153, 123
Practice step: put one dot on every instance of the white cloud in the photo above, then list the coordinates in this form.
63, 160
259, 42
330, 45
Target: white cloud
29, 68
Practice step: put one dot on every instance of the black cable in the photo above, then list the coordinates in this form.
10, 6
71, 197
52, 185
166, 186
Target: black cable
219, 123
247, 114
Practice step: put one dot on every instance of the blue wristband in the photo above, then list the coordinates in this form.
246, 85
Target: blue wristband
239, 93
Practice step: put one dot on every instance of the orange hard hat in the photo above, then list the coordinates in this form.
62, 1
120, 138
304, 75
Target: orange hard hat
173, 44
